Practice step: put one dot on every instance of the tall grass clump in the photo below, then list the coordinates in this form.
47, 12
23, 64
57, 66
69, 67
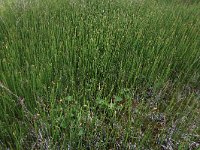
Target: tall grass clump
91, 74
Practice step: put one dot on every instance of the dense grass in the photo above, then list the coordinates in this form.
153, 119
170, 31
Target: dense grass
91, 74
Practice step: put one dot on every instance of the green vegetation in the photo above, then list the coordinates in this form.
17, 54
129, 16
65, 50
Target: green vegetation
99, 74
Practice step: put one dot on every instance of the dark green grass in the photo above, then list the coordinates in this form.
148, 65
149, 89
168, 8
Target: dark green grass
99, 74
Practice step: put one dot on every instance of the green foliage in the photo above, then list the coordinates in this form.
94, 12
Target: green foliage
91, 74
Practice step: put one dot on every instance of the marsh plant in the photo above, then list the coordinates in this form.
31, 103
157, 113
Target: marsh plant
99, 74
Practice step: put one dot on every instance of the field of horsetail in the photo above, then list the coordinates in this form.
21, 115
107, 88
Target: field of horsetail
99, 74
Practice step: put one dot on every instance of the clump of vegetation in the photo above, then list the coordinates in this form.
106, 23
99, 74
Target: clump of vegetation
91, 74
